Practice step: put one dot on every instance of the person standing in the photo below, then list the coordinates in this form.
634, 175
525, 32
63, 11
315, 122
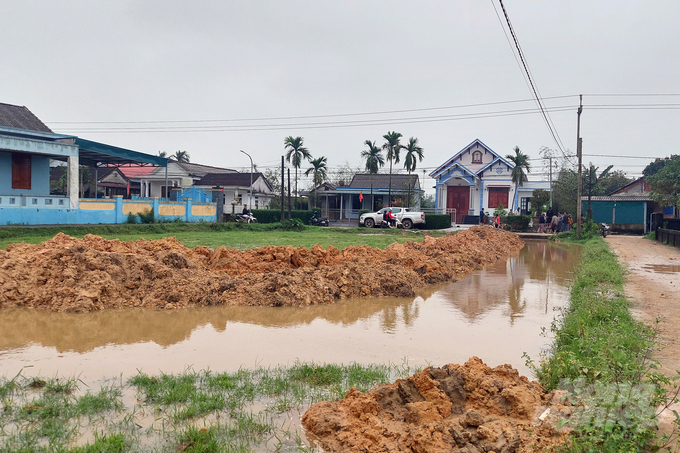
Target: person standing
541, 223
497, 221
482, 216
553, 224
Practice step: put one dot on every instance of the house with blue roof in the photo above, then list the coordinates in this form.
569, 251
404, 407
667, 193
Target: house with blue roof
477, 178
28, 148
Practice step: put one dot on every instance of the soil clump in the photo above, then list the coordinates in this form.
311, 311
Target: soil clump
470, 408
82, 275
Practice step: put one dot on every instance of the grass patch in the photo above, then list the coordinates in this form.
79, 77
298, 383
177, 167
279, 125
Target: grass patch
238, 236
244, 411
115, 443
602, 356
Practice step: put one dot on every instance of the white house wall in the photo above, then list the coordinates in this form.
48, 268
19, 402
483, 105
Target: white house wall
497, 175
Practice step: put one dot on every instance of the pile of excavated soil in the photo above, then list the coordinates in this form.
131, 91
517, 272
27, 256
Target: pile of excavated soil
470, 408
81, 275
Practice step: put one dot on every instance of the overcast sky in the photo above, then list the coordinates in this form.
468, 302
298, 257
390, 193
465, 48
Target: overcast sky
213, 77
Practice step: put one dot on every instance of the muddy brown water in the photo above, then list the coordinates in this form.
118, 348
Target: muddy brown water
495, 314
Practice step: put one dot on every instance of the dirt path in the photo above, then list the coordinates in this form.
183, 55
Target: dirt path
652, 283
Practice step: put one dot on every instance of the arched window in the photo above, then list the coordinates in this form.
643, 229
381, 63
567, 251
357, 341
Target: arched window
477, 157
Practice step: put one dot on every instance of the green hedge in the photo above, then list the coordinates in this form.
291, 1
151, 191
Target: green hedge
436, 222
274, 215
517, 222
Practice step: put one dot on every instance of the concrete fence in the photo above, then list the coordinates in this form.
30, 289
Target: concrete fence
29, 210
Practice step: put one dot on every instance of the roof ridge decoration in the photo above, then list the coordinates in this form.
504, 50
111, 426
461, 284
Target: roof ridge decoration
476, 142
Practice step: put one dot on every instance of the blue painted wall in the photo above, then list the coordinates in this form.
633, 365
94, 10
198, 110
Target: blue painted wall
42, 214
40, 176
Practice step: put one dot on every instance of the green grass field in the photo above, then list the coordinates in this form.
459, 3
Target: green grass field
236, 236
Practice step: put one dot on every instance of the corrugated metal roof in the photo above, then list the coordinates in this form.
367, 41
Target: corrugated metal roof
228, 179
639, 197
381, 180
92, 153
200, 170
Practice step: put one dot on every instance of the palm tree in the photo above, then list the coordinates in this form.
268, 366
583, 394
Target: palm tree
162, 154
413, 153
318, 168
392, 146
373, 156
519, 173
180, 156
295, 154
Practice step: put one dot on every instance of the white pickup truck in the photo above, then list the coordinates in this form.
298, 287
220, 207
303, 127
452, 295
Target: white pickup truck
407, 217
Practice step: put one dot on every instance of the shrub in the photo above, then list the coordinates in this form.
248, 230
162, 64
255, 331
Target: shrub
131, 219
293, 225
518, 222
500, 211
147, 216
437, 221
272, 216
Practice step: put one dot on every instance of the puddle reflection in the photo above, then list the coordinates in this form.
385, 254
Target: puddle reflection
443, 324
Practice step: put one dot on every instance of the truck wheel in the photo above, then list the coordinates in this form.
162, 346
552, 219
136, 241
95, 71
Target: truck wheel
407, 224
369, 223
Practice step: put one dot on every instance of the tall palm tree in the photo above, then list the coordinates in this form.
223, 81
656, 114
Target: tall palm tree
373, 156
392, 146
180, 156
519, 173
296, 152
413, 153
318, 168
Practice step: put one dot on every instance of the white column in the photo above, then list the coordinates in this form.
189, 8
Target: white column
73, 175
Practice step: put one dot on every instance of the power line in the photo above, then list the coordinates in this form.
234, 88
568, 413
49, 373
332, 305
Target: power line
548, 121
333, 115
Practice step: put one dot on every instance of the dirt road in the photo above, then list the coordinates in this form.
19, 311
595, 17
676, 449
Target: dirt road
652, 284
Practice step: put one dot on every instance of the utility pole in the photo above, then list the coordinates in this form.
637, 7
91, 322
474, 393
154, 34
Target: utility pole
579, 153
551, 200
283, 188
289, 216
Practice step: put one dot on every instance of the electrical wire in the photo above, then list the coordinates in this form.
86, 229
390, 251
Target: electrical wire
548, 121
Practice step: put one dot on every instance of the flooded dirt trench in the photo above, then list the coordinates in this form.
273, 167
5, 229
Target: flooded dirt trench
495, 314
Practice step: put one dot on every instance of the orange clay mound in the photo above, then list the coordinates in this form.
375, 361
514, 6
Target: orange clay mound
470, 408
80, 275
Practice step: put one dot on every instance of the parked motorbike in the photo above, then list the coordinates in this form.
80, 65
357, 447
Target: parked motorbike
395, 224
319, 221
245, 218
604, 228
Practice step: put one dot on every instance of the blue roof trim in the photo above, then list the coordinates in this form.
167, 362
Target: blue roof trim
33, 134
453, 165
121, 155
494, 162
443, 167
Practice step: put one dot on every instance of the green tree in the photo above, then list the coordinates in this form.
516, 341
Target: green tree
665, 183
654, 167
373, 156
318, 169
296, 152
612, 182
519, 172
392, 146
540, 201
414, 154
162, 154
565, 191
591, 185
180, 156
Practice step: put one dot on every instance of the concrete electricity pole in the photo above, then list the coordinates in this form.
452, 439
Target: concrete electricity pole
579, 153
